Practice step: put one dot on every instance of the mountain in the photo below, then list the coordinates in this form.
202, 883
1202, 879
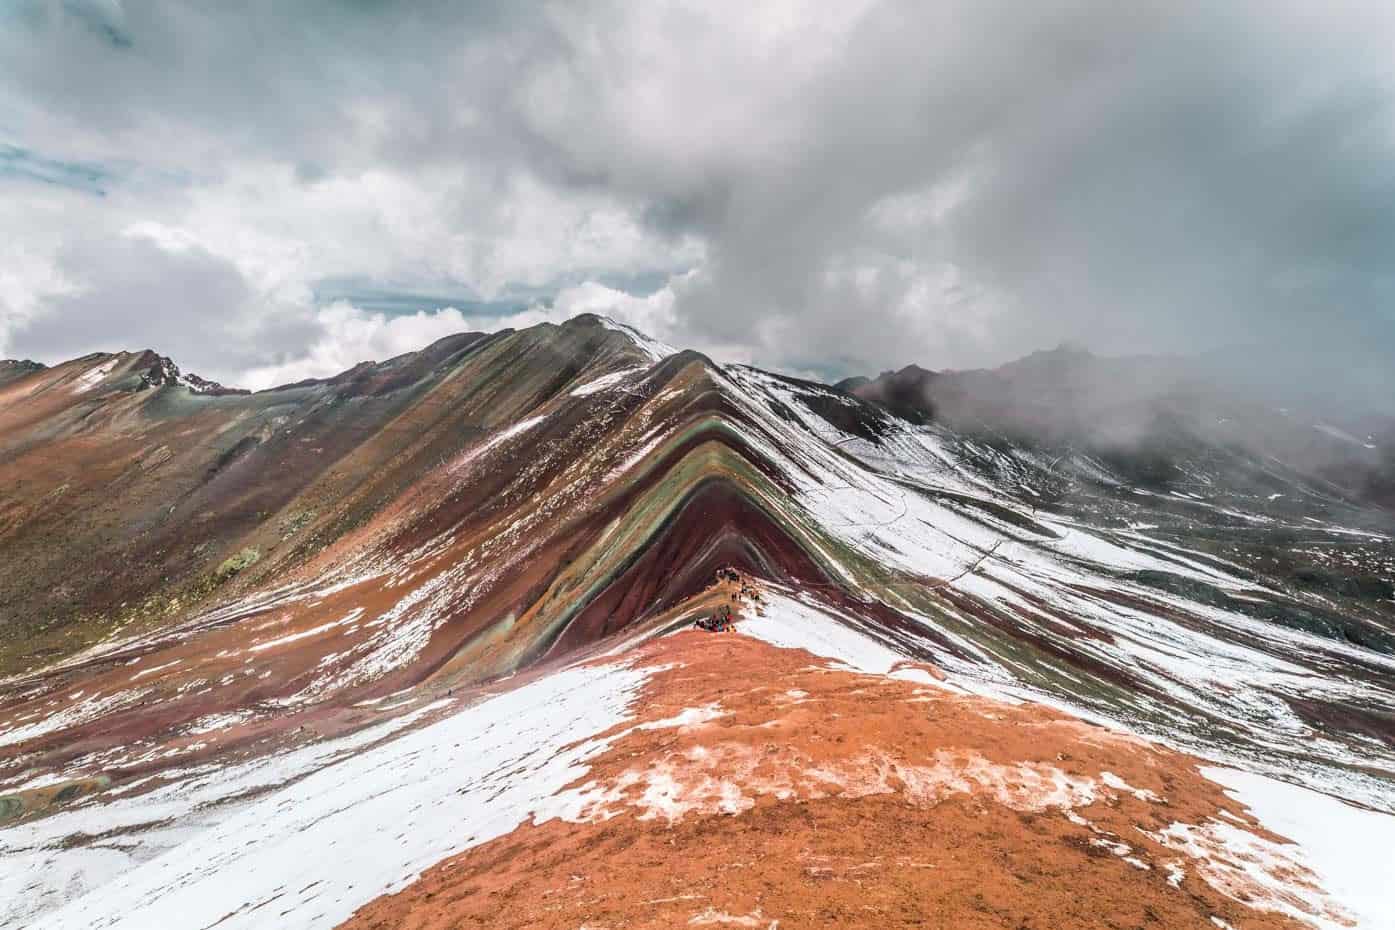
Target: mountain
171, 493
12, 368
1156, 418
414, 646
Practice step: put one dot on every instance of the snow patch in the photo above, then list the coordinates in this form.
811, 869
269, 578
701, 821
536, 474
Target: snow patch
296, 856
605, 382
93, 376
1351, 850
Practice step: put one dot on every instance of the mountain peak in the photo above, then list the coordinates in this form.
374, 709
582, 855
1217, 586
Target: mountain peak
161, 371
12, 369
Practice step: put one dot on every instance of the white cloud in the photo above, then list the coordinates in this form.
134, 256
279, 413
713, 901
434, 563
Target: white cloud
652, 314
348, 335
851, 185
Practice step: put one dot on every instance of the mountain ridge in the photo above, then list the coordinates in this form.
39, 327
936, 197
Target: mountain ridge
1141, 406
428, 587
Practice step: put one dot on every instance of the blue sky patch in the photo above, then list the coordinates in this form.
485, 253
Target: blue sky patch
18, 163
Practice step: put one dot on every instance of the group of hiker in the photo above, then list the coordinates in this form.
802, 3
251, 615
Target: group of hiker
720, 620
717, 622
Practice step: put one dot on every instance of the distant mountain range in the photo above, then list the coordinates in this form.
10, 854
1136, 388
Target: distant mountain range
1150, 416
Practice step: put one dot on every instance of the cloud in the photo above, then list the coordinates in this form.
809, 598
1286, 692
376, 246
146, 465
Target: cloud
16, 162
822, 187
346, 335
133, 292
652, 313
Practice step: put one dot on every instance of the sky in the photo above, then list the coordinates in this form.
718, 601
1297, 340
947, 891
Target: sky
267, 191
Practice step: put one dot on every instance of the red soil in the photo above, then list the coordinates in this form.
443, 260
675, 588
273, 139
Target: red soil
824, 798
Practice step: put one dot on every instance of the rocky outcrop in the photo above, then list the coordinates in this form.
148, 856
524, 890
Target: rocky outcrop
163, 372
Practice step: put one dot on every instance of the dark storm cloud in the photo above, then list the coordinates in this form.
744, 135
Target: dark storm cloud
867, 185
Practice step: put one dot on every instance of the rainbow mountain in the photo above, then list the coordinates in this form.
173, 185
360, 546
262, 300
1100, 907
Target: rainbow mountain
298, 657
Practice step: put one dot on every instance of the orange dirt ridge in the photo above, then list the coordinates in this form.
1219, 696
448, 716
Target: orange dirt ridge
760, 787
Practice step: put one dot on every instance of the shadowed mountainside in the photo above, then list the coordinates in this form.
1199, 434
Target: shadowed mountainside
165, 495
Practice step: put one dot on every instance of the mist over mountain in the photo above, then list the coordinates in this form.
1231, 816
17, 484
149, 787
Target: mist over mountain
1152, 409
